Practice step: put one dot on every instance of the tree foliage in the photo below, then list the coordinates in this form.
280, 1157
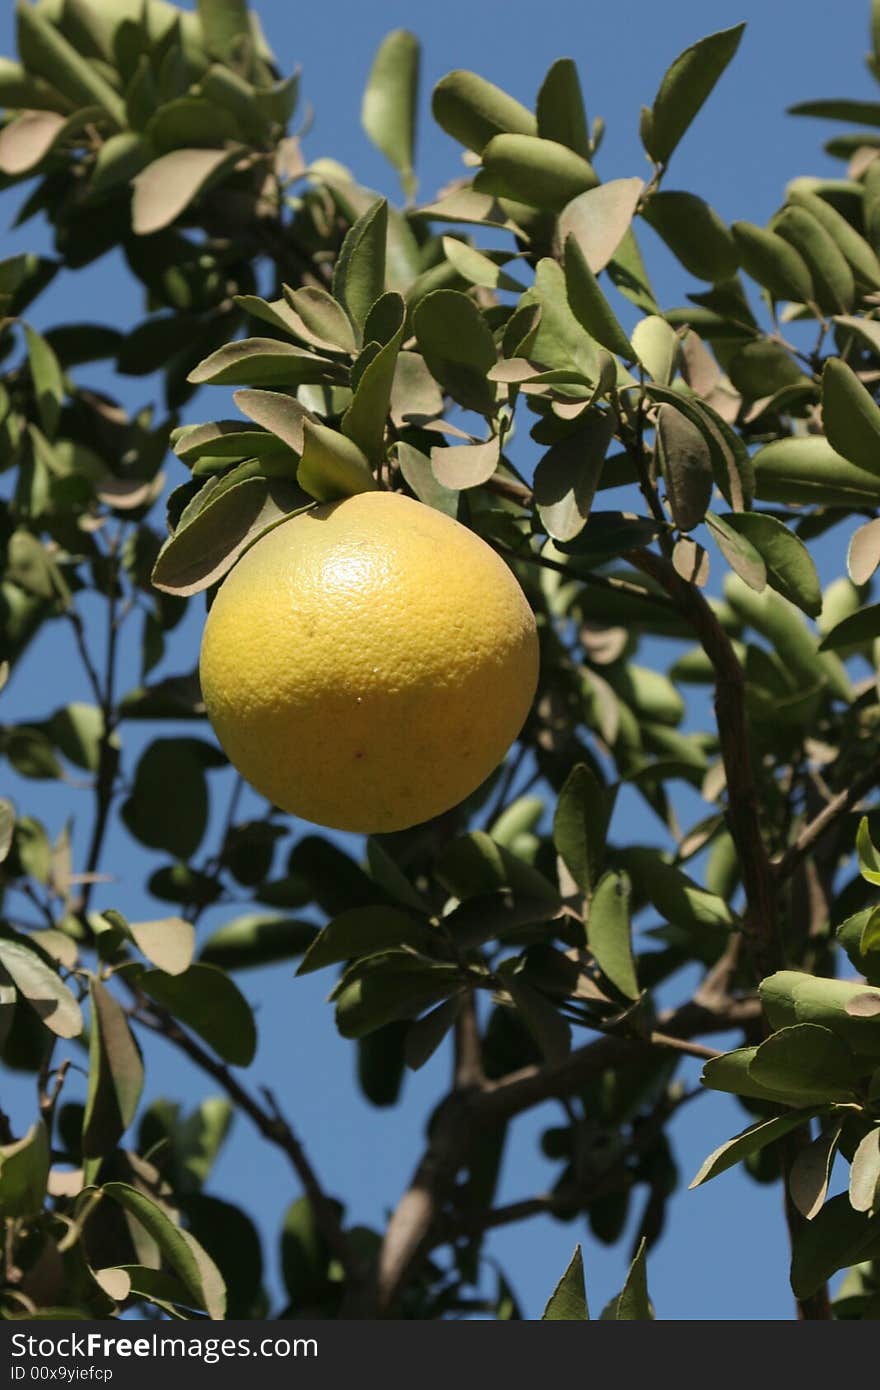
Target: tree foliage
418, 348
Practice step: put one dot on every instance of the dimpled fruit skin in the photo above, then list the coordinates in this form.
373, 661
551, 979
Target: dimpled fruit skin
368, 663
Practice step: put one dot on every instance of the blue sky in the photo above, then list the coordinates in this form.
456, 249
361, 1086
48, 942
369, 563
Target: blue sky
724, 1254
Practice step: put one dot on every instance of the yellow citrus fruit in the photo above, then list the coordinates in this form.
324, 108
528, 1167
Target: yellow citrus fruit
368, 663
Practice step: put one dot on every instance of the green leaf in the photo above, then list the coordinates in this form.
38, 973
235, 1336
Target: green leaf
750, 1141
772, 262
254, 940
207, 1001
589, 305
425, 1035
321, 321
832, 277
731, 463
568, 1301
856, 250
419, 475
850, 416
304, 1254
632, 1304
864, 1173
560, 108
48, 380
839, 109
359, 273
201, 552
794, 997
686, 463
229, 1238
168, 805
805, 1061
40, 985
77, 731
47, 54
558, 341
806, 469
24, 1173
676, 897
580, 825
389, 107
857, 630
223, 24
476, 268
332, 466
116, 1075
191, 122
547, 1026
685, 87
731, 1073
539, 173
362, 931
261, 362
694, 233
192, 1265
365, 420
832, 1240
457, 346
392, 985
609, 934
739, 552
869, 855
658, 348
167, 187
567, 477
789, 565
7, 826
472, 110
473, 864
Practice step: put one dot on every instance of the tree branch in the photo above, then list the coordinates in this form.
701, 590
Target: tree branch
814, 830
761, 925
272, 1125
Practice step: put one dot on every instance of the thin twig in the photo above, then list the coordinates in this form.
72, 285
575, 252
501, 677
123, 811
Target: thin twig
812, 833
272, 1125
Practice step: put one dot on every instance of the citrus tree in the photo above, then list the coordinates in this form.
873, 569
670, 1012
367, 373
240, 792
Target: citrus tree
493, 361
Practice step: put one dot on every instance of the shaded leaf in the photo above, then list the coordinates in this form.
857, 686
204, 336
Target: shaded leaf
359, 273
116, 1074
589, 305
694, 233
192, 1265
685, 459
580, 825
254, 940
805, 1060
864, 1173
811, 1172
40, 985
850, 416
362, 931
608, 932
207, 1001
